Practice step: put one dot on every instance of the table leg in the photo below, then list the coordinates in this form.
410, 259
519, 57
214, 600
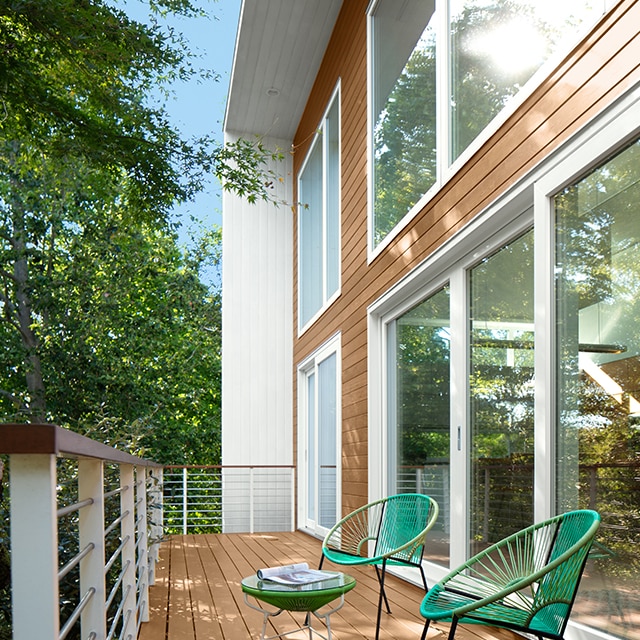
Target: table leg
324, 616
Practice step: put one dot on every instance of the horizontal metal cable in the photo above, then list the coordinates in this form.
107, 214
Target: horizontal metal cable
118, 614
116, 553
116, 586
125, 624
116, 522
73, 618
115, 492
63, 511
75, 560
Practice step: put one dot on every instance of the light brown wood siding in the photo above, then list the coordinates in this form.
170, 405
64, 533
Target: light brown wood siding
597, 71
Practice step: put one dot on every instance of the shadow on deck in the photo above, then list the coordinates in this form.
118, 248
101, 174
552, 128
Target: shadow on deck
197, 595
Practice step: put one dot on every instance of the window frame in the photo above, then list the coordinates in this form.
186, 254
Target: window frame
446, 170
320, 138
308, 367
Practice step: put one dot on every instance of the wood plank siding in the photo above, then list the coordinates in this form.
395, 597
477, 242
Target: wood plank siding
197, 594
590, 77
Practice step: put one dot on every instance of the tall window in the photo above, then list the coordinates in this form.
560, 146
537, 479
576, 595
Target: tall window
404, 109
319, 219
441, 71
598, 378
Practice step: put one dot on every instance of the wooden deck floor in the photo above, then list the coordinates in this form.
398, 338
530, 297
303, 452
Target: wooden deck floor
197, 594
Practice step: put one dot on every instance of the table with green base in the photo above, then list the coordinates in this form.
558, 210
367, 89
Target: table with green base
303, 597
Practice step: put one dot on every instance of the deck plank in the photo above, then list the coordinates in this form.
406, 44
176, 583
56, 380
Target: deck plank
197, 594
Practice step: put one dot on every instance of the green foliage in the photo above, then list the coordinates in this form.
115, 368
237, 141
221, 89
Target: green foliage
107, 325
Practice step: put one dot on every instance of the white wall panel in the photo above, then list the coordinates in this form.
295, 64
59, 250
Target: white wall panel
257, 326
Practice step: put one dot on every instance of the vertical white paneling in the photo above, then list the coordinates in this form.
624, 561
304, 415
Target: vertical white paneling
257, 325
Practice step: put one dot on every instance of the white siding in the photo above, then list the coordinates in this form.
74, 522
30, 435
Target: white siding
257, 326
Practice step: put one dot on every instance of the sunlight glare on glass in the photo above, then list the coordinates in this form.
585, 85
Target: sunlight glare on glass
512, 47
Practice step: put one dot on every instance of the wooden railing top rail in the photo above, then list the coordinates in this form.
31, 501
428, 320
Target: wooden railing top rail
52, 439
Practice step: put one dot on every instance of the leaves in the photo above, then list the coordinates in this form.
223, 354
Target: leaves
106, 323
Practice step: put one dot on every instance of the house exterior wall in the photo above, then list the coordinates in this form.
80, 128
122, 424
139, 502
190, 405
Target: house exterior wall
256, 328
601, 68
257, 383
499, 190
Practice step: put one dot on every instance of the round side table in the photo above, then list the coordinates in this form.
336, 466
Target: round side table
302, 597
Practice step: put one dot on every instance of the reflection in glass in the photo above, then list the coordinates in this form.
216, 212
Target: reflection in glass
496, 47
404, 109
494, 50
598, 373
319, 219
501, 394
327, 427
419, 409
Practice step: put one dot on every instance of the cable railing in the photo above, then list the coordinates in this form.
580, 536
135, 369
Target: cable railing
86, 521
229, 498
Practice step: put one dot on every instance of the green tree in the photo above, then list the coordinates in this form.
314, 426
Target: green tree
83, 150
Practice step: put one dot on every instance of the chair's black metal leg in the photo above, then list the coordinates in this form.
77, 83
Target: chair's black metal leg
424, 578
382, 596
321, 561
454, 624
383, 593
424, 631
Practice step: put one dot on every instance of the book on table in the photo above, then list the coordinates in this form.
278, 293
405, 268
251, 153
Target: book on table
294, 574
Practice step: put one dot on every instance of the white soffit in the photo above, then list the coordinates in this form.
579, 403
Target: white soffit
279, 47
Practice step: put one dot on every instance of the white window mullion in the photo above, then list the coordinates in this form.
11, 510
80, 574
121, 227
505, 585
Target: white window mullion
545, 401
459, 416
325, 205
443, 84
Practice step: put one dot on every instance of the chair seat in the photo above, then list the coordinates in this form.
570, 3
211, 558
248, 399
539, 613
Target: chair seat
513, 612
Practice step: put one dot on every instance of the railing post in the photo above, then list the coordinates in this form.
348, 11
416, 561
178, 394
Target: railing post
157, 520
127, 529
142, 544
34, 547
91, 523
251, 501
292, 485
184, 500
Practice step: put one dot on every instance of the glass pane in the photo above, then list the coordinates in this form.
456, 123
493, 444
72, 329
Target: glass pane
421, 401
404, 109
327, 462
332, 133
311, 446
598, 371
496, 47
501, 394
310, 221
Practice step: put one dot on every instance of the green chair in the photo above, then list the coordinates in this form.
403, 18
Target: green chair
386, 532
527, 582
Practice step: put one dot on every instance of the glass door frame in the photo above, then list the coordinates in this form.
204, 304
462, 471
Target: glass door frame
481, 239
307, 368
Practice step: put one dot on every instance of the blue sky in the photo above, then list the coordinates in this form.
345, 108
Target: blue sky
198, 108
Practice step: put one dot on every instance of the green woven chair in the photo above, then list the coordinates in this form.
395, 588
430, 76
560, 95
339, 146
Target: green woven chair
386, 532
527, 582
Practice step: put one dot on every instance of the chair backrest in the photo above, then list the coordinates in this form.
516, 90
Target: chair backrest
404, 517
569, 536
